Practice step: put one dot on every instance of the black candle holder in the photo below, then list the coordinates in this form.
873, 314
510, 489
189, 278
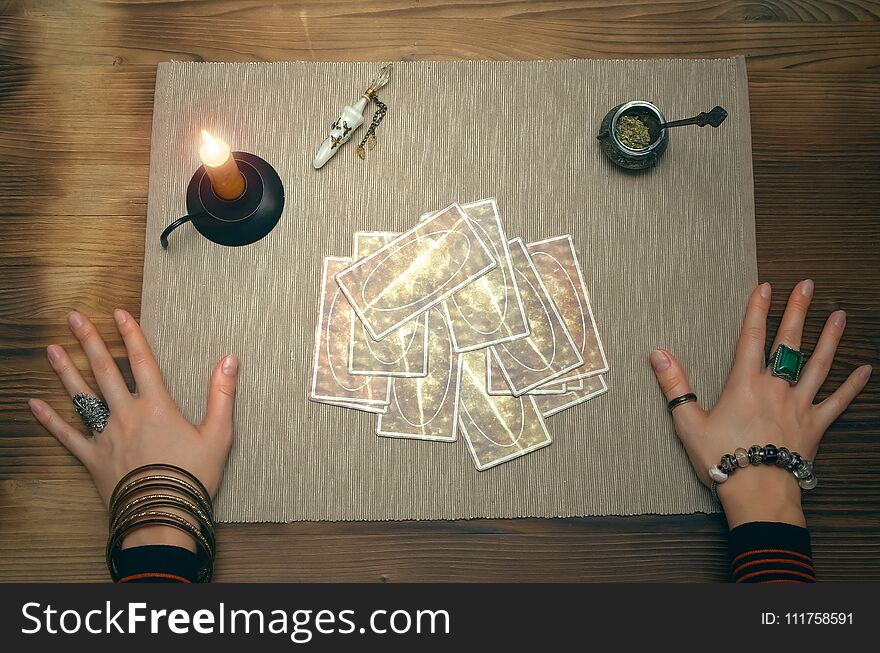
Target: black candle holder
237, 222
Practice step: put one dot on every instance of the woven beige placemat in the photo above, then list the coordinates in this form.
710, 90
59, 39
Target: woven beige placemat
669, 257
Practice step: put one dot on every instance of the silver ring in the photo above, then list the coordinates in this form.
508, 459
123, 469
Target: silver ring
93, 411
672, 404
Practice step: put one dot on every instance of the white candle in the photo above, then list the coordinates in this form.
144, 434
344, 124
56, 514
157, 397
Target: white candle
226, 178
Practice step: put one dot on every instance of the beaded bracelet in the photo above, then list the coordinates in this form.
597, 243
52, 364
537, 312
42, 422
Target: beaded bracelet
769, 454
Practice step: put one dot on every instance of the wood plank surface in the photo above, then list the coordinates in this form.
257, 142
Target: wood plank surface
76, 94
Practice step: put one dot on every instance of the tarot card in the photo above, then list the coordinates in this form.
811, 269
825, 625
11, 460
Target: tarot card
368, 242
496, 386
559, 269
556, 384
426, 408
577, 384
330, 378
496, 429
403, 352
377, 410
415, 271
548, 352
593, 387
489, 310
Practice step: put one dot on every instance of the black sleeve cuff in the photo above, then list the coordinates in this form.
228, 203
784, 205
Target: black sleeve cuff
774, 552
157, 564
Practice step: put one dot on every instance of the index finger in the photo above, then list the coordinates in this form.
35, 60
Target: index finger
144, 367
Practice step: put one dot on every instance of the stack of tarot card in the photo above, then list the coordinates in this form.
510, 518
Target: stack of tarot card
450, 327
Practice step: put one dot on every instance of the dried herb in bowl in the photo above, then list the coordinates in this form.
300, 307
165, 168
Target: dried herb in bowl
632, 132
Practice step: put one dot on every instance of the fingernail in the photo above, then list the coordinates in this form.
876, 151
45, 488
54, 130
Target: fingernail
807, 287
865, 372
839, 318
765, 290
230, 365
35, 406
659, 360
53, 353
75, 319
120, 316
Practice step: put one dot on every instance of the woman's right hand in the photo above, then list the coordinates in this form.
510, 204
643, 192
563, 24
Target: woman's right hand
144, 427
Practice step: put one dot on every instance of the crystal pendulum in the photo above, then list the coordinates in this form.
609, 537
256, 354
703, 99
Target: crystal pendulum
351, 117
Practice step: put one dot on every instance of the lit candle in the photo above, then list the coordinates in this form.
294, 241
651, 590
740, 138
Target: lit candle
226, 179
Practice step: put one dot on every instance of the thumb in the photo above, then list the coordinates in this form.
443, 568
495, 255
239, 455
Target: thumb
221, 397
674, 383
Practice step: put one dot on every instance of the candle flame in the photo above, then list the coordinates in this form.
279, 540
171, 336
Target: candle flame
214, 151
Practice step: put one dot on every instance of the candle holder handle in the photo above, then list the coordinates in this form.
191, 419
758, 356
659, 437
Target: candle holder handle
174, 225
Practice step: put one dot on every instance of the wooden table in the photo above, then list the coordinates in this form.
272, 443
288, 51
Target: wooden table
76, 96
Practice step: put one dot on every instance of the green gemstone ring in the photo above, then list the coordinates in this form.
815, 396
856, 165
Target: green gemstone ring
787, 363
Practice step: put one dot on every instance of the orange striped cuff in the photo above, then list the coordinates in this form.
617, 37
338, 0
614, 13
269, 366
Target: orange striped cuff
153, 576
763, 552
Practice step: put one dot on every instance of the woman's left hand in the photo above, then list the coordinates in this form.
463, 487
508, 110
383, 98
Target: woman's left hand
757, 407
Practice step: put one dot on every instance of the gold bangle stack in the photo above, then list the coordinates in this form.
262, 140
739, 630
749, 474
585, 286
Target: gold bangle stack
156, 495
